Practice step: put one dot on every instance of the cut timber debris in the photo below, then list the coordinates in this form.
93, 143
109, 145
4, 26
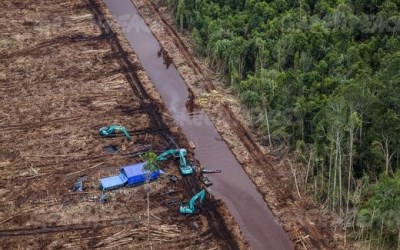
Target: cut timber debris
210, 171
80, 171
51, 113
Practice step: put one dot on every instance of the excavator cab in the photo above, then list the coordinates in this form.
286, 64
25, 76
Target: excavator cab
190, 208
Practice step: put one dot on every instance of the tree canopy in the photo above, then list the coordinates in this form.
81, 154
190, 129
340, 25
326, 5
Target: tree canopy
319, 73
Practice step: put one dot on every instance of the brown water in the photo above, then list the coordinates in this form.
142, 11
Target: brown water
232, 185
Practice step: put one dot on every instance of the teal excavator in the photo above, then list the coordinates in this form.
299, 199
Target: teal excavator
185, 168
112, 129
190, 208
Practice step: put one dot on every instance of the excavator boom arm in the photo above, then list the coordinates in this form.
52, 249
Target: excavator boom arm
181, 153
164, 155
110, 130
182, 159
200, 195
191, 206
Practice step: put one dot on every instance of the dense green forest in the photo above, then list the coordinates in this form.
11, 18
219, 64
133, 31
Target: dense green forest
322, 77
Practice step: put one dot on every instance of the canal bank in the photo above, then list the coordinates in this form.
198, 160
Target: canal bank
232, 186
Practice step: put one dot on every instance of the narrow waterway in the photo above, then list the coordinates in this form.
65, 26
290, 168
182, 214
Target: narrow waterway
232, 185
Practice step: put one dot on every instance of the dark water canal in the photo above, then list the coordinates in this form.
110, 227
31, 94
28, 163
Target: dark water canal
232, 185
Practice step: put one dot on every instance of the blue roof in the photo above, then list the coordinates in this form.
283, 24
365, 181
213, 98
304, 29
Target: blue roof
136, 174
131, 175
134, 169
113, 181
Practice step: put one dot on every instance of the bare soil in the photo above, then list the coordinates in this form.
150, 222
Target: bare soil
306, 223
61, 79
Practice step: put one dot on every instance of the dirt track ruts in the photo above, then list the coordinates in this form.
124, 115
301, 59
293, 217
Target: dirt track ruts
45, 229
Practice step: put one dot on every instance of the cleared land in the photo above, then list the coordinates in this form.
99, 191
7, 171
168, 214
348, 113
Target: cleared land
63, 76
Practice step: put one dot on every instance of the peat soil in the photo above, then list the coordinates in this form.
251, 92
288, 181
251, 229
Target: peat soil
66, 72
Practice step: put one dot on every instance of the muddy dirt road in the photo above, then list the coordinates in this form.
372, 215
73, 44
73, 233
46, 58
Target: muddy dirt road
233, 185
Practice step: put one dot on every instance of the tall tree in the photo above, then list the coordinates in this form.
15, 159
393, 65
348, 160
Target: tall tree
150, 166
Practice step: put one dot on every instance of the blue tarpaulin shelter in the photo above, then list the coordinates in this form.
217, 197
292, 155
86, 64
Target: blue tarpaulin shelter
129, 175
113, 182
136, 174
